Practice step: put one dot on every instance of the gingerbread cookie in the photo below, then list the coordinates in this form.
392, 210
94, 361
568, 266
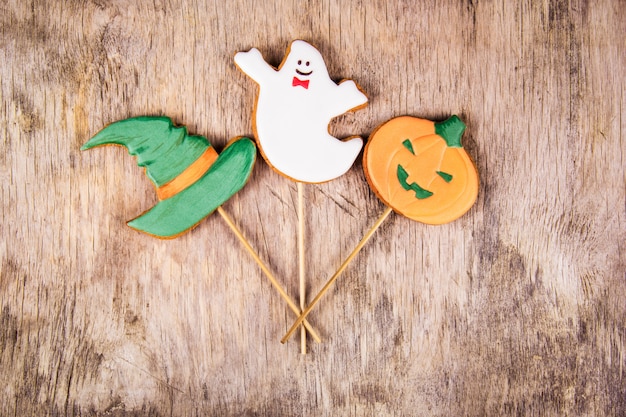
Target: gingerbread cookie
294, 107
191, 179
420, 169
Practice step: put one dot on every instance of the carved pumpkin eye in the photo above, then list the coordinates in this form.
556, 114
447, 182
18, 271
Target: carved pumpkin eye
420, 169
407, 144
446, 177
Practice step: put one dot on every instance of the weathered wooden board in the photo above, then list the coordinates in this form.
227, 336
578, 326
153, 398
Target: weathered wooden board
515, 309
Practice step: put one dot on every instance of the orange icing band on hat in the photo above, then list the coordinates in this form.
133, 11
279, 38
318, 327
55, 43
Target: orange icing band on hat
191, 174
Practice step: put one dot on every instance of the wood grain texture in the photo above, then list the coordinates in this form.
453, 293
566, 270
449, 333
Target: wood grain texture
517, 308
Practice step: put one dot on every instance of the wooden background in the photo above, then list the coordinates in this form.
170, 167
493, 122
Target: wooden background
517, 308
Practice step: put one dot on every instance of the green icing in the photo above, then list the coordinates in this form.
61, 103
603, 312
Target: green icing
420, 192
451, 131
162, 148
446, 177
226, 176
407, 144
166, 151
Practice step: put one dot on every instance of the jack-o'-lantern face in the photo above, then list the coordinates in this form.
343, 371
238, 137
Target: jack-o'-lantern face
420, 169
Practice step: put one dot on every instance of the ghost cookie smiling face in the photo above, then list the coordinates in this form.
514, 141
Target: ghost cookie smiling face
301, 77
302, 58
294, 107
307, 63
302, 61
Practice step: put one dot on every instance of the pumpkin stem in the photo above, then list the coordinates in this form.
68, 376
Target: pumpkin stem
451, 131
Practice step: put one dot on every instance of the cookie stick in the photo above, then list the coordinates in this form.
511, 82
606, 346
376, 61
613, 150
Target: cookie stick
332, 279
190, 178
407, 148
290, 302
301, 263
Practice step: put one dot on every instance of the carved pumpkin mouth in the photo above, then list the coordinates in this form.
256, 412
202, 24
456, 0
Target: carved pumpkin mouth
420, 193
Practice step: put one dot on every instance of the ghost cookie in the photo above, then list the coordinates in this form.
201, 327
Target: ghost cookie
294, 107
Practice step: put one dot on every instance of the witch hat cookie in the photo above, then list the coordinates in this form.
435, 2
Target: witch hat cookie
191, 179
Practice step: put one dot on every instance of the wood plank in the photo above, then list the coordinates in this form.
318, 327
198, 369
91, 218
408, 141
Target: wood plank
517, 308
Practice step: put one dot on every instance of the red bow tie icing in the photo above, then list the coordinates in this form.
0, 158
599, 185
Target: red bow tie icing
298, 82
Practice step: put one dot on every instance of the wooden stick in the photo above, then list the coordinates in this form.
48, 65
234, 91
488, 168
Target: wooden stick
301, 262
255, 256
332, 279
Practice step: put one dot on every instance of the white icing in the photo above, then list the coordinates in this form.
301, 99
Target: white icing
291, 122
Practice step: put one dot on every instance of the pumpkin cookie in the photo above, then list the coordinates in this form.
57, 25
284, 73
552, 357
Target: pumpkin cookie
420, 169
